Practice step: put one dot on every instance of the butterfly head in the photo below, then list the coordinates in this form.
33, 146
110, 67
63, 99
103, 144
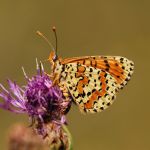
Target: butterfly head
53, 56
55, 61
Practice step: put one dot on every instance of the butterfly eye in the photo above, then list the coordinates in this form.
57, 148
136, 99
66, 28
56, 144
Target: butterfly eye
55, 57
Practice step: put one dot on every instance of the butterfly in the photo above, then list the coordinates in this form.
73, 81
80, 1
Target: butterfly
91, 81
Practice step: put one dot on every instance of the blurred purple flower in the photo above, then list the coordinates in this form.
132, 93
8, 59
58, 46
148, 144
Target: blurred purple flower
40, 99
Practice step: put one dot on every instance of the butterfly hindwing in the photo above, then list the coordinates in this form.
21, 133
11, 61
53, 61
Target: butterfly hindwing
92, 89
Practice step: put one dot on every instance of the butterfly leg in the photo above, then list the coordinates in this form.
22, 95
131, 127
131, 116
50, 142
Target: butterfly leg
50, 75
53, 77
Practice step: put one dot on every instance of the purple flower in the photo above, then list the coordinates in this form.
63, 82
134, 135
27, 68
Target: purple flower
40, 99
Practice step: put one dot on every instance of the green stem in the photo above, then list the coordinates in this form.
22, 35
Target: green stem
69, 137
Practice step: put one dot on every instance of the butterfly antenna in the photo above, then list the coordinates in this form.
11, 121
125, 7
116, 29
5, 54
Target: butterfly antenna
54, 30
47, 41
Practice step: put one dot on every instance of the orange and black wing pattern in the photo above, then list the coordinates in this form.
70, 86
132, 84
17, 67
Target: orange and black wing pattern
93, 81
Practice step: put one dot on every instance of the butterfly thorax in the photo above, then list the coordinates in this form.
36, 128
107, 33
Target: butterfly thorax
57, 69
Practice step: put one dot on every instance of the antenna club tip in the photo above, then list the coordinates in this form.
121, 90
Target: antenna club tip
54, 28
39, 33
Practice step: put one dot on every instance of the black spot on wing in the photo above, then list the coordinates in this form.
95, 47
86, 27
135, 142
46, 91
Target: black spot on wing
91, 70
89, 93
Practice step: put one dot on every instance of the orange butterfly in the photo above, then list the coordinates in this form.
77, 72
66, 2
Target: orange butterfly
92, 81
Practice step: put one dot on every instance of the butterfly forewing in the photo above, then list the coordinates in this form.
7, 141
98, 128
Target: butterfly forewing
119, 67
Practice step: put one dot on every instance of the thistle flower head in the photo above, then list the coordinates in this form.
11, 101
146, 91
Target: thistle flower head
43, 99
40, 99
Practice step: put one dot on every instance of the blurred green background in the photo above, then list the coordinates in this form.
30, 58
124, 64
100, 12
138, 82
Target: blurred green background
85, 27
